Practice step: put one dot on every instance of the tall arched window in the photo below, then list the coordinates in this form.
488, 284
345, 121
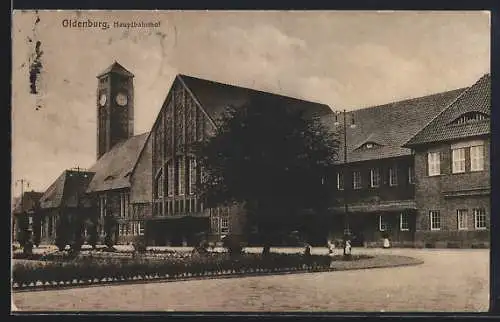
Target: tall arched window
171, 178
191, 175
159, 185
181, 175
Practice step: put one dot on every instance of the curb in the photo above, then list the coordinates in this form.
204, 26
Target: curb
41, 288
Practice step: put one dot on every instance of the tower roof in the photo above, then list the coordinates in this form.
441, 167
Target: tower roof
116, 68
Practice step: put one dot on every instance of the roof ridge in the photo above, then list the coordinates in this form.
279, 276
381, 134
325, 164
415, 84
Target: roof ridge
409, 99
253, 89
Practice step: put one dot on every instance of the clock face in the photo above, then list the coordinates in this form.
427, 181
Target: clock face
102, 99
121, 99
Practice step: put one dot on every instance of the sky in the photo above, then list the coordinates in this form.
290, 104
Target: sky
346, 59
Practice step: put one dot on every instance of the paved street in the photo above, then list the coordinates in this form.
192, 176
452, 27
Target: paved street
449, 280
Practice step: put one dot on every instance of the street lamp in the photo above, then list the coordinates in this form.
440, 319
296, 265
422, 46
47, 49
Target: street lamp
344, 131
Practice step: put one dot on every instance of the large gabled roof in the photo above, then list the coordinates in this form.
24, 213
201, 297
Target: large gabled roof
66, 190
113, 169
214, 97
475, 99
389, 126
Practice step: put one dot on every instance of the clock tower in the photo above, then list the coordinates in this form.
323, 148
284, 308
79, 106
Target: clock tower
115, 107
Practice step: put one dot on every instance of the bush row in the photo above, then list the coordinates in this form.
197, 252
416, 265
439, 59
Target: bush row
85, 271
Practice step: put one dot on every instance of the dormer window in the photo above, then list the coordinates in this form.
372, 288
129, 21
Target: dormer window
109, 178
369, 145
470, 117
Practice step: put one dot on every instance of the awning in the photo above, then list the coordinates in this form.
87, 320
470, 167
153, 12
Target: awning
399, 205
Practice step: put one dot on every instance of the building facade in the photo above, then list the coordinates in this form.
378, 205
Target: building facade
416, 171
65, 199
452, 156
188, 116
378, 181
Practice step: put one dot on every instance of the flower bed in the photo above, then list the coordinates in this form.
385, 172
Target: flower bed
91, 270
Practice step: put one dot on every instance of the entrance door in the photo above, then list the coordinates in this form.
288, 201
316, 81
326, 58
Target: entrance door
357, 228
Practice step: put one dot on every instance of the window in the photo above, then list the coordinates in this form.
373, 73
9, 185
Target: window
434, 164
479, 218
49, 226
382, 224
141, 228
171, 181
435, 219
159, 184
224, 221
458, 160
411, 175
369, 145
181, 176
340, 181
403, 222
356, 179
393, 176
462, 219
476, 158
374, 177
471, 117
192, 175
102, 206
42, 227
214, 221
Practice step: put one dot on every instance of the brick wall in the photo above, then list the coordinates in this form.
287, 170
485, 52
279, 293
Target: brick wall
440, 193
403, 191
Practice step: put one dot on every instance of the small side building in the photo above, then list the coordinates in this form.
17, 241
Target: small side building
24, 210
64, 199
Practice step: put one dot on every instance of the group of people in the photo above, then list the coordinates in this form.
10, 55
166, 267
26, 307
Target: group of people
344, 246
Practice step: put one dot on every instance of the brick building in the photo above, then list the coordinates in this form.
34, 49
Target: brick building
452, 189
148, 182
378, 181
65, 198
107, 184
191, 114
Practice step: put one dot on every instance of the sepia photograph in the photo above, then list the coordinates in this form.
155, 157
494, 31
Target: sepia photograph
250, 161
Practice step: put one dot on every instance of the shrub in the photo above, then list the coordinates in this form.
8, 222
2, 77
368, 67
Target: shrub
89, 268
139, 244
233, 245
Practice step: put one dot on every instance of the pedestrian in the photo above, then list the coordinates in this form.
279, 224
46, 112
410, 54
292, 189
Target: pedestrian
331, 247
307, 250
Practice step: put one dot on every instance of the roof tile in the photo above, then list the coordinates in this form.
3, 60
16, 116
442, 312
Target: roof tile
477, 98
389, 126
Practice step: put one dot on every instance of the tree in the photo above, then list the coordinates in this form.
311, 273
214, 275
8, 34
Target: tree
78, 227
91, 226
271, 158
109, 229
24, 234
37, 226
62, 232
